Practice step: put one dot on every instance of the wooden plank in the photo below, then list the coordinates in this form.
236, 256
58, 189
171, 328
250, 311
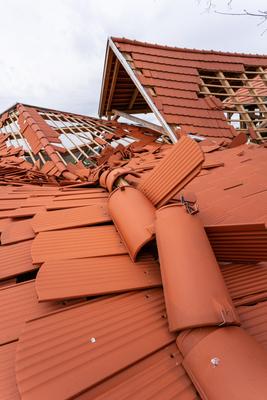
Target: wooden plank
140, 121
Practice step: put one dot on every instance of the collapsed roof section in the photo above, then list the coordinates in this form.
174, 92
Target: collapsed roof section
55, 145
205, 93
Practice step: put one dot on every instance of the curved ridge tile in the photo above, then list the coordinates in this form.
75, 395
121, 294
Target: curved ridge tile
133, 215
227, 364
194, 289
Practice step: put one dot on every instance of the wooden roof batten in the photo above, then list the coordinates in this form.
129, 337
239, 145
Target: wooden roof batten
112, 51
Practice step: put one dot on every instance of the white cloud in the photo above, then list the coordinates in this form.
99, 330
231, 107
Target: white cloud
52, 51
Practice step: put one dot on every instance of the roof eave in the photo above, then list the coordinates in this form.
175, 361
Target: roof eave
111, 46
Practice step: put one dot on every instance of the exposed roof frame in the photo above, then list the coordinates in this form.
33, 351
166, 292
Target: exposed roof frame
111, 45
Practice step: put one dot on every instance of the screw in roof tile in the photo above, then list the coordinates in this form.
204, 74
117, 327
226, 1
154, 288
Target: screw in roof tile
215, 361
92, 339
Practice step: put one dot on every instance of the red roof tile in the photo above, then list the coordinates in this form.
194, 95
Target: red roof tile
133, 215
18, 304
254, 321
172, 175
159, 376
184, 253
15, 259
98, 342
95, 276
223, 356
8, 384
74, 217
17, 231
247, 283
76, 243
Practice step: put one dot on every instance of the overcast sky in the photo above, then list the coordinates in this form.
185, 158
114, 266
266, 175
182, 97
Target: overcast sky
52, 51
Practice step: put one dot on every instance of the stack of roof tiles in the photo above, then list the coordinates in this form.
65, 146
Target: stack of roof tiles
141, 275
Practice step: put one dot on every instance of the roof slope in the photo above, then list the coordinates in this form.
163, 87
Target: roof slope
187, 87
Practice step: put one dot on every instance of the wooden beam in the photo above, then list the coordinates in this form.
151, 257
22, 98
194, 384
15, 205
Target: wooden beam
143, 92
135, 94
140, 121
113, 83
231, 92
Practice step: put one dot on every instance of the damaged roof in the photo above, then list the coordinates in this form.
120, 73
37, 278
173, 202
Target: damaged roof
132, 266
192, 91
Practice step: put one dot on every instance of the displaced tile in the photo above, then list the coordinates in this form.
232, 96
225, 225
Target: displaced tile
76, 243
15, 259
180, 166
95, 276
134, 216
17, 231
74, 217
194, 290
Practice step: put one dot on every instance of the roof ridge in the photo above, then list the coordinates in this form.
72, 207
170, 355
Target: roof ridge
192, 50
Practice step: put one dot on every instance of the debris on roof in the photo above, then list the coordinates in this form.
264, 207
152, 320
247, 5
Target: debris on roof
133, 255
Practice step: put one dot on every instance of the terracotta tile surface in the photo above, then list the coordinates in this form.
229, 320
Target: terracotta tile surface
95, 276
245, 203
25, 212
76, 196
8, 385
254, 321
185, 252
57, 205
239, 242
4, 222
76, 243
247, 283
173, 73
74, 217
98, 342
17, 231
120, 346
171, 175
134, 216
159, 376
18, 304
235, 354
15, 259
